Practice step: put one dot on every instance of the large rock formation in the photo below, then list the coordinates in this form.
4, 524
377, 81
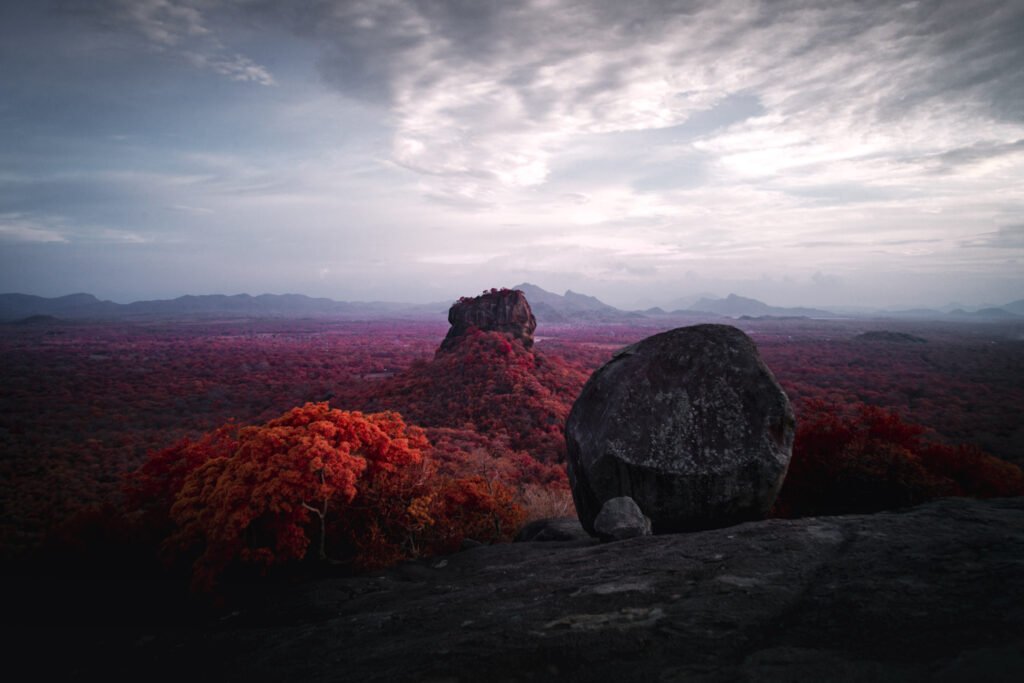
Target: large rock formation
504, 310
688, 423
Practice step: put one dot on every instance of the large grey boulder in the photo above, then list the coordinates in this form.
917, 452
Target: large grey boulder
689, 423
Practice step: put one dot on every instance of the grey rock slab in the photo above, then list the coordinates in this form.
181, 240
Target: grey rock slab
934, 592
552, 529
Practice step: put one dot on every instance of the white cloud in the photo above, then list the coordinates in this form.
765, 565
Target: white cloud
18, 228
457, 258
593, 139
196, 210
856, 108
235, 67
121, 236
181, 28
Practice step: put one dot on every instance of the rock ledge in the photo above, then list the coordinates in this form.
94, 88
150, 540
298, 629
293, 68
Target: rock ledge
930, 593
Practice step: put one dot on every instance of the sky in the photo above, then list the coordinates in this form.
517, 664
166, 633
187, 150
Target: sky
801, 152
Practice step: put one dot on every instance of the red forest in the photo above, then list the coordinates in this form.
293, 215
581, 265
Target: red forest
84, 405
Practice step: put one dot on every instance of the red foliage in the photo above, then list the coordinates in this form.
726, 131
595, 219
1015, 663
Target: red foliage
504, 291
359, 484
965, 383
83, 404
491, 385
416, 513
469, 453
871, 460
152, 489
253, 503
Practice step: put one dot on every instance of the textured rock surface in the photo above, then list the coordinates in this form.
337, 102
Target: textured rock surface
621, 518
553, 529
504, 311
689, 423
933, 593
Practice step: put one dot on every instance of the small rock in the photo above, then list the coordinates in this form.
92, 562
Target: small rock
621, 518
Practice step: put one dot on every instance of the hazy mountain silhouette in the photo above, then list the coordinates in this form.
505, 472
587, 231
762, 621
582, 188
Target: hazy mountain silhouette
571, 307
1015, 307
735, 306
87, 306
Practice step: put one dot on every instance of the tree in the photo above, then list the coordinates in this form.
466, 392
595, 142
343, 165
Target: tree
359, 484
254, 503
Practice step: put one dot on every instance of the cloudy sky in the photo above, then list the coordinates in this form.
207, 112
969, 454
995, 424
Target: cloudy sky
800, 152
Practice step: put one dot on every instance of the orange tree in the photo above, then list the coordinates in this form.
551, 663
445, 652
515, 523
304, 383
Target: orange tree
357, 483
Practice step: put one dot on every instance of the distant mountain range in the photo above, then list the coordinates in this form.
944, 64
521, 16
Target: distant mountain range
738, 306
571, 307
549, 307
87, 306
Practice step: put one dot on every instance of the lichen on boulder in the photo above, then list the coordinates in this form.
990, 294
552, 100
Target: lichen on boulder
689, 423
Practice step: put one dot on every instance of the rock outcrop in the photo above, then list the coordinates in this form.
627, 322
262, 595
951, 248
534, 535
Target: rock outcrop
689, 423
504, 310
933, 593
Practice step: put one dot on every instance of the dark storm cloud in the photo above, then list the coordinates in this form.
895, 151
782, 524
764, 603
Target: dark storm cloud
464, 74
470, 31
621, 127
980, 48
937, 48
912, 56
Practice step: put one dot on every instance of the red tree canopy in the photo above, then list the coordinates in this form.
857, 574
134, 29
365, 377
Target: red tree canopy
870, 459
359, 484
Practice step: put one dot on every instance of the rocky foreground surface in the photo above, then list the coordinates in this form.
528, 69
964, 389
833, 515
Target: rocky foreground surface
931, 593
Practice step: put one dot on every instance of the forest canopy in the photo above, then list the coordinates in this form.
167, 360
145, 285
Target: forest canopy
197, 409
